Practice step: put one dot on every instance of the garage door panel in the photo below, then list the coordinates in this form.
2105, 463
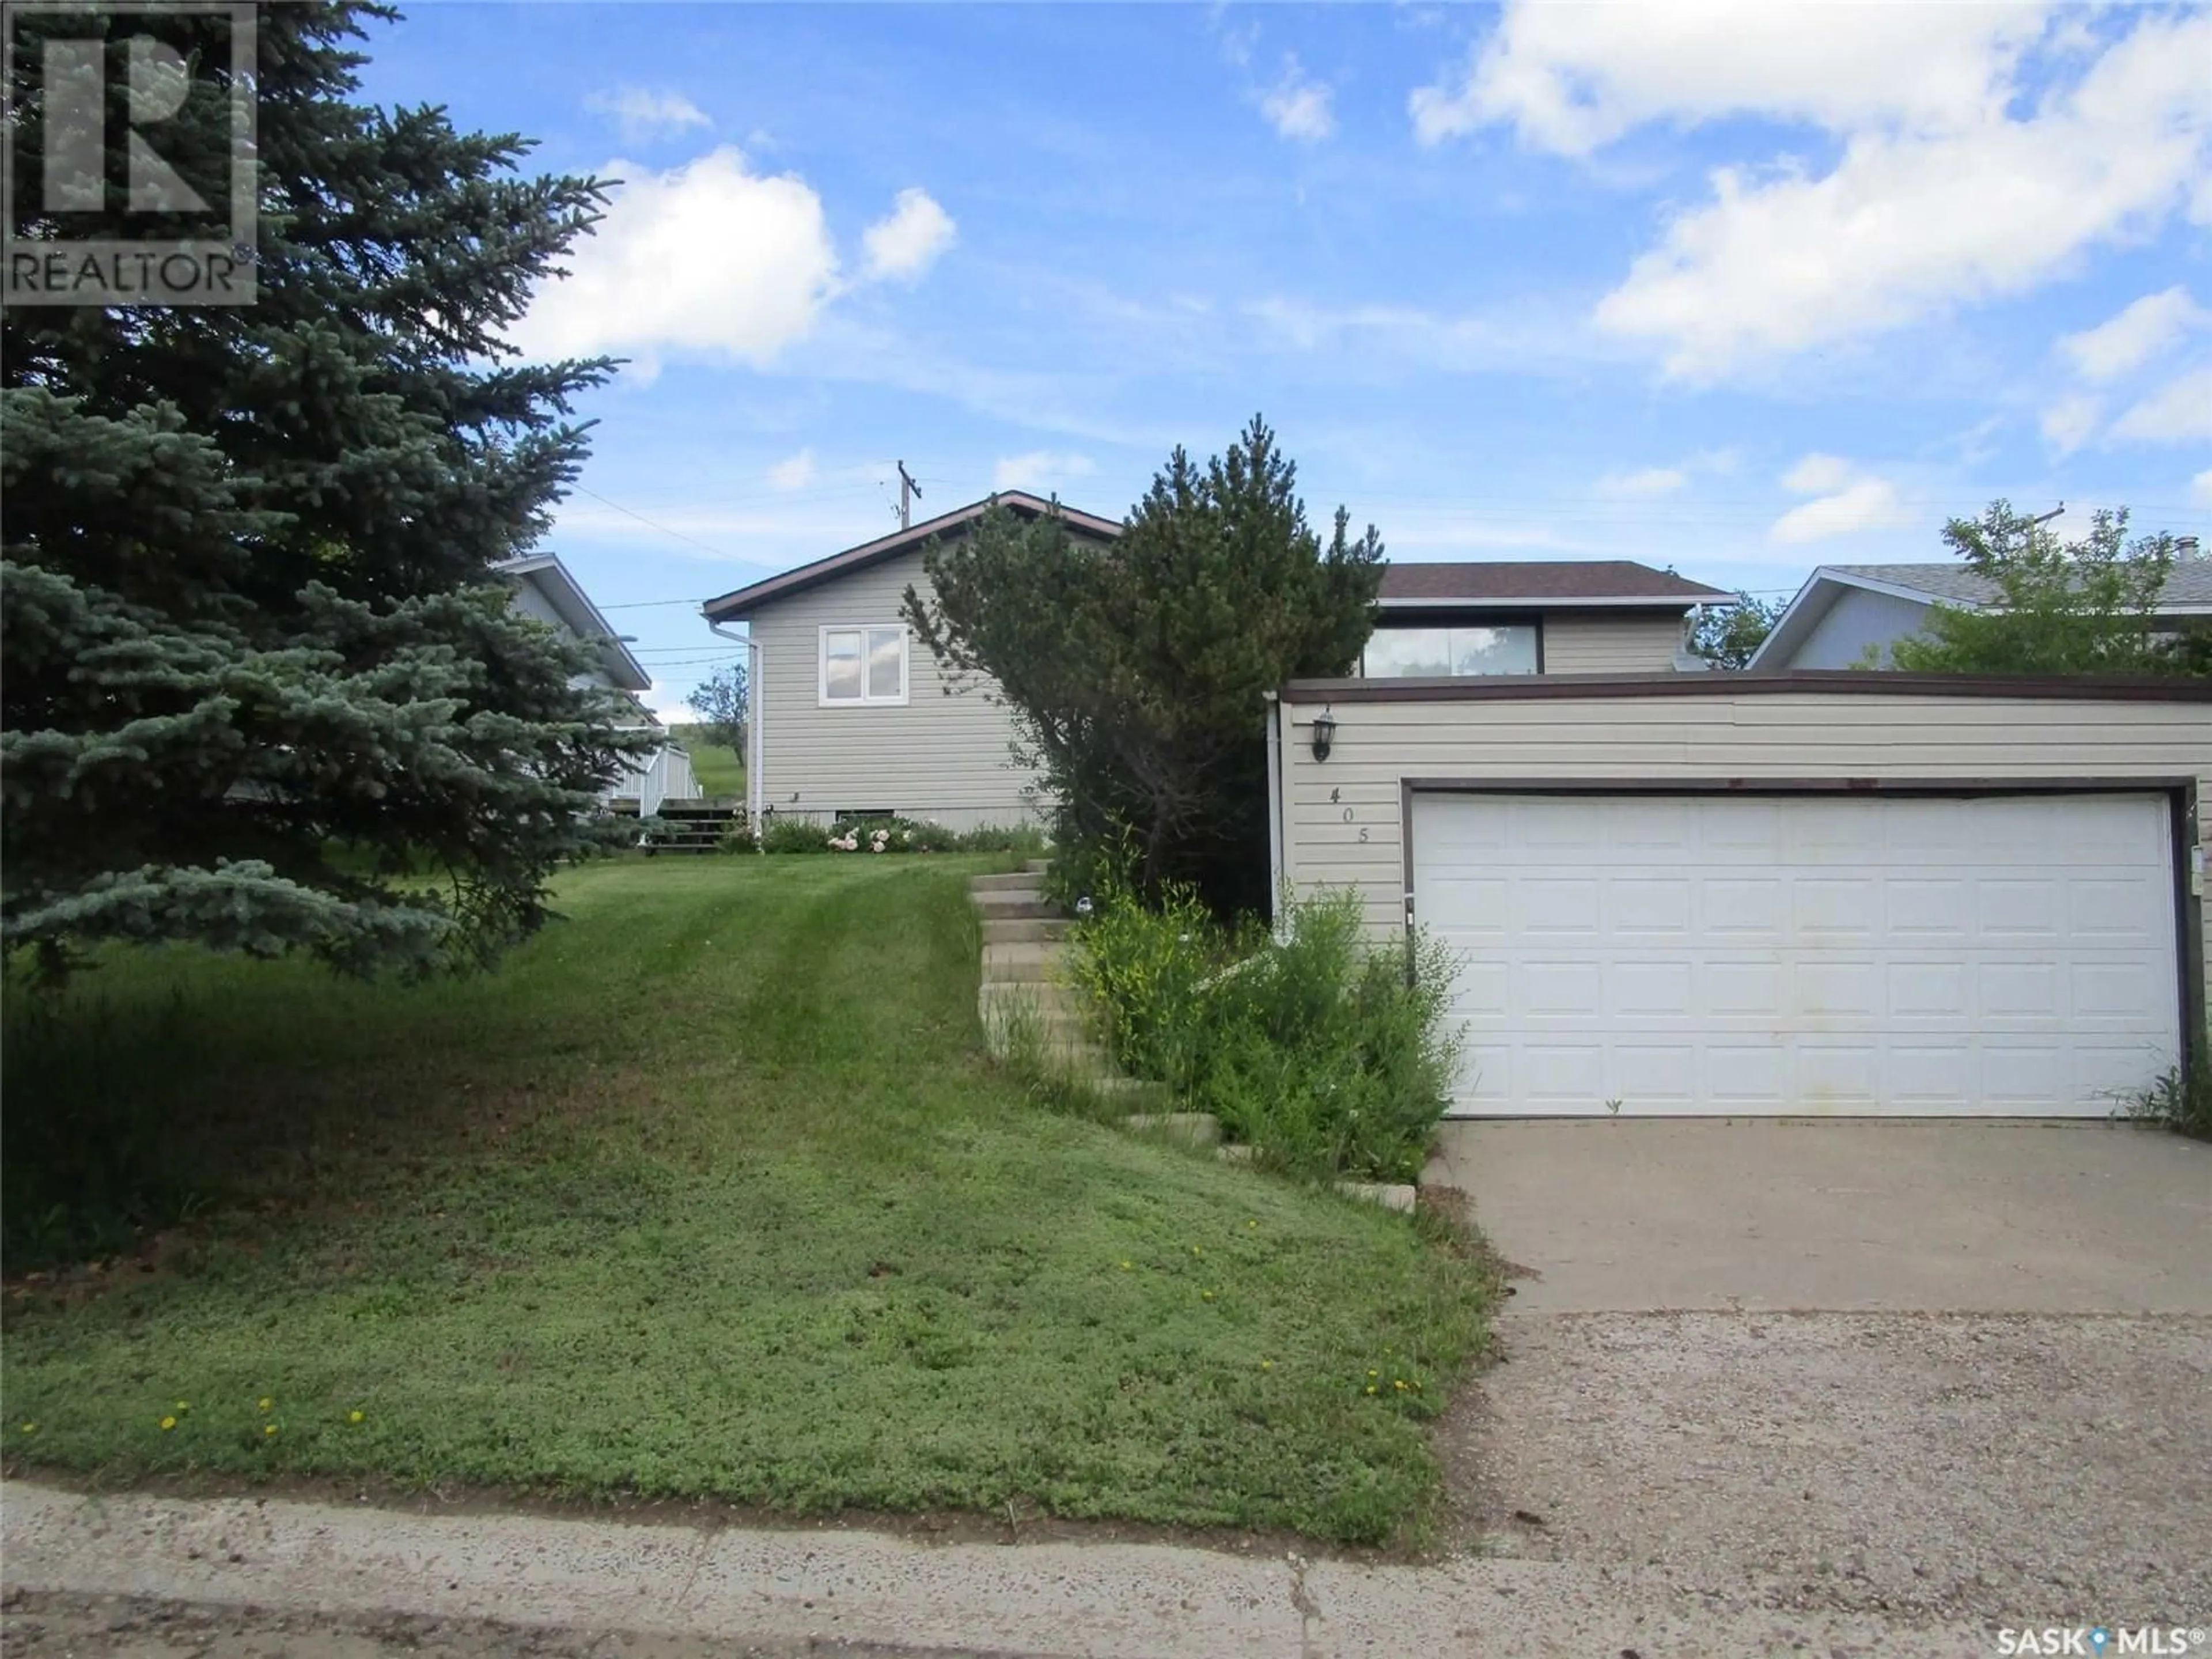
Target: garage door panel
1741, 909
1658, 907
1709, 954
1930, 909
1929, 990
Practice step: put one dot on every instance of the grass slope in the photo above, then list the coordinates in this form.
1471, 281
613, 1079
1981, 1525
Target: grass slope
708, 1194
719, 770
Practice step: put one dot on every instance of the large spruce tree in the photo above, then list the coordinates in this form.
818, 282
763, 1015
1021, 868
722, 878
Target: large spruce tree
1137, 670
262, 688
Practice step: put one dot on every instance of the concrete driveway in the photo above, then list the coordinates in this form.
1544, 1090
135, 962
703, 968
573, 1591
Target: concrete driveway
1641, 1215
1949, 1371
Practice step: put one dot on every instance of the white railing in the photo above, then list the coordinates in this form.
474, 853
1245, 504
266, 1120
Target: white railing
666, 775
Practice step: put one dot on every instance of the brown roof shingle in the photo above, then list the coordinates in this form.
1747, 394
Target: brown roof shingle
1583, 582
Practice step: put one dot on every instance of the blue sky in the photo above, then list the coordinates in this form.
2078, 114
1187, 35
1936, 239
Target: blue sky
1739, 288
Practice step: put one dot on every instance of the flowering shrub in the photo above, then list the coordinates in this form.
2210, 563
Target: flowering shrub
794, 835
1323, 1053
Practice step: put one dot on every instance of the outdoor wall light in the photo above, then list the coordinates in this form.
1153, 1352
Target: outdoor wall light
1324, 734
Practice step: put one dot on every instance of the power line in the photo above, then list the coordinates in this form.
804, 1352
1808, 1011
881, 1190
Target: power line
718, 552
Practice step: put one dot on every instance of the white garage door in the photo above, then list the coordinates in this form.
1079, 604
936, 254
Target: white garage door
1905, 954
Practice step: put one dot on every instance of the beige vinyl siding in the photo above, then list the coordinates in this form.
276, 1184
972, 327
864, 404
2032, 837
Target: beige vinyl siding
940, 757
1611, 642
1341, 818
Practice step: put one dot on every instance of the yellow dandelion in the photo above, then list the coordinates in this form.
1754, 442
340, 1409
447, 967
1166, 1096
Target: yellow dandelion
1400, 1385
183, 1405
356, 1417
1125, 1266
1375, 1373
1195, 1250
1267, 1364
1206, 1295
267, 1404
1251, 1224
169, 1423
30, 1428
268, 1428
1370, 1387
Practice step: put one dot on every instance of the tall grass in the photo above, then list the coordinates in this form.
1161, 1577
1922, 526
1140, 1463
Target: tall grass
1328, 1056
2181, 1100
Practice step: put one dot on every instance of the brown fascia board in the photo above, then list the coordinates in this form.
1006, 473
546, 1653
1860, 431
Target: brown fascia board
1673, 601
745, 599
1508, 688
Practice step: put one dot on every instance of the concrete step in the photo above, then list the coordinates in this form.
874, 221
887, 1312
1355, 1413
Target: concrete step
1037, 866
1032, 963
1015, 906
1049, 1004
1018, 881
1023, 930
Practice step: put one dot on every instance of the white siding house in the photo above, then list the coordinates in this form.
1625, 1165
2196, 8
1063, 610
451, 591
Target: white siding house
853, 717
545, 591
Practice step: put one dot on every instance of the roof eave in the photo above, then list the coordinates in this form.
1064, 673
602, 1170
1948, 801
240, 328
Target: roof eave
739, 604
1531, 602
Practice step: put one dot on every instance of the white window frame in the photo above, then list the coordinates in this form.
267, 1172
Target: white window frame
824, 699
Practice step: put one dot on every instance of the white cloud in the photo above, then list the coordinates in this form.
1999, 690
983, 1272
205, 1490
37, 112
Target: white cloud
1846, 502
2200, 488
1300, 107
794, 471
644, 115
708, 255
2178, 411
2068, 423
1953, 185
1816, 474
1870, 504
2152, 324
1040, 471
1571, 78
1645, 480
908, 240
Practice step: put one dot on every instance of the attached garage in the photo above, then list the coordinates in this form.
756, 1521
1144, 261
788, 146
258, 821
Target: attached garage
1857, 893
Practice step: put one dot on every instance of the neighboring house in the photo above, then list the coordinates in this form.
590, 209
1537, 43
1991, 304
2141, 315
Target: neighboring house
545, 591
1849, 615
852, 719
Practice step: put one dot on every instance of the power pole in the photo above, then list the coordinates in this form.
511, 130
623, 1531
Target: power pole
909, 491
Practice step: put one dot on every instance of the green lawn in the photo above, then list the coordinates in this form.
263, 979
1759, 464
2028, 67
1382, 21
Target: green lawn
719, 770
708, 1192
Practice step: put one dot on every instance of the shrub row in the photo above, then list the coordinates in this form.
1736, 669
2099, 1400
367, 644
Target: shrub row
1329, 1057
787, 835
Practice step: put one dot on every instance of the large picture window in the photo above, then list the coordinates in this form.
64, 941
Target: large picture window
864, 664
1398, 654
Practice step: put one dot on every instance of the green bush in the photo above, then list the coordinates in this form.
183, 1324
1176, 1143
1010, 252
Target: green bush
794, 835
1329, 1056
2182, 1099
